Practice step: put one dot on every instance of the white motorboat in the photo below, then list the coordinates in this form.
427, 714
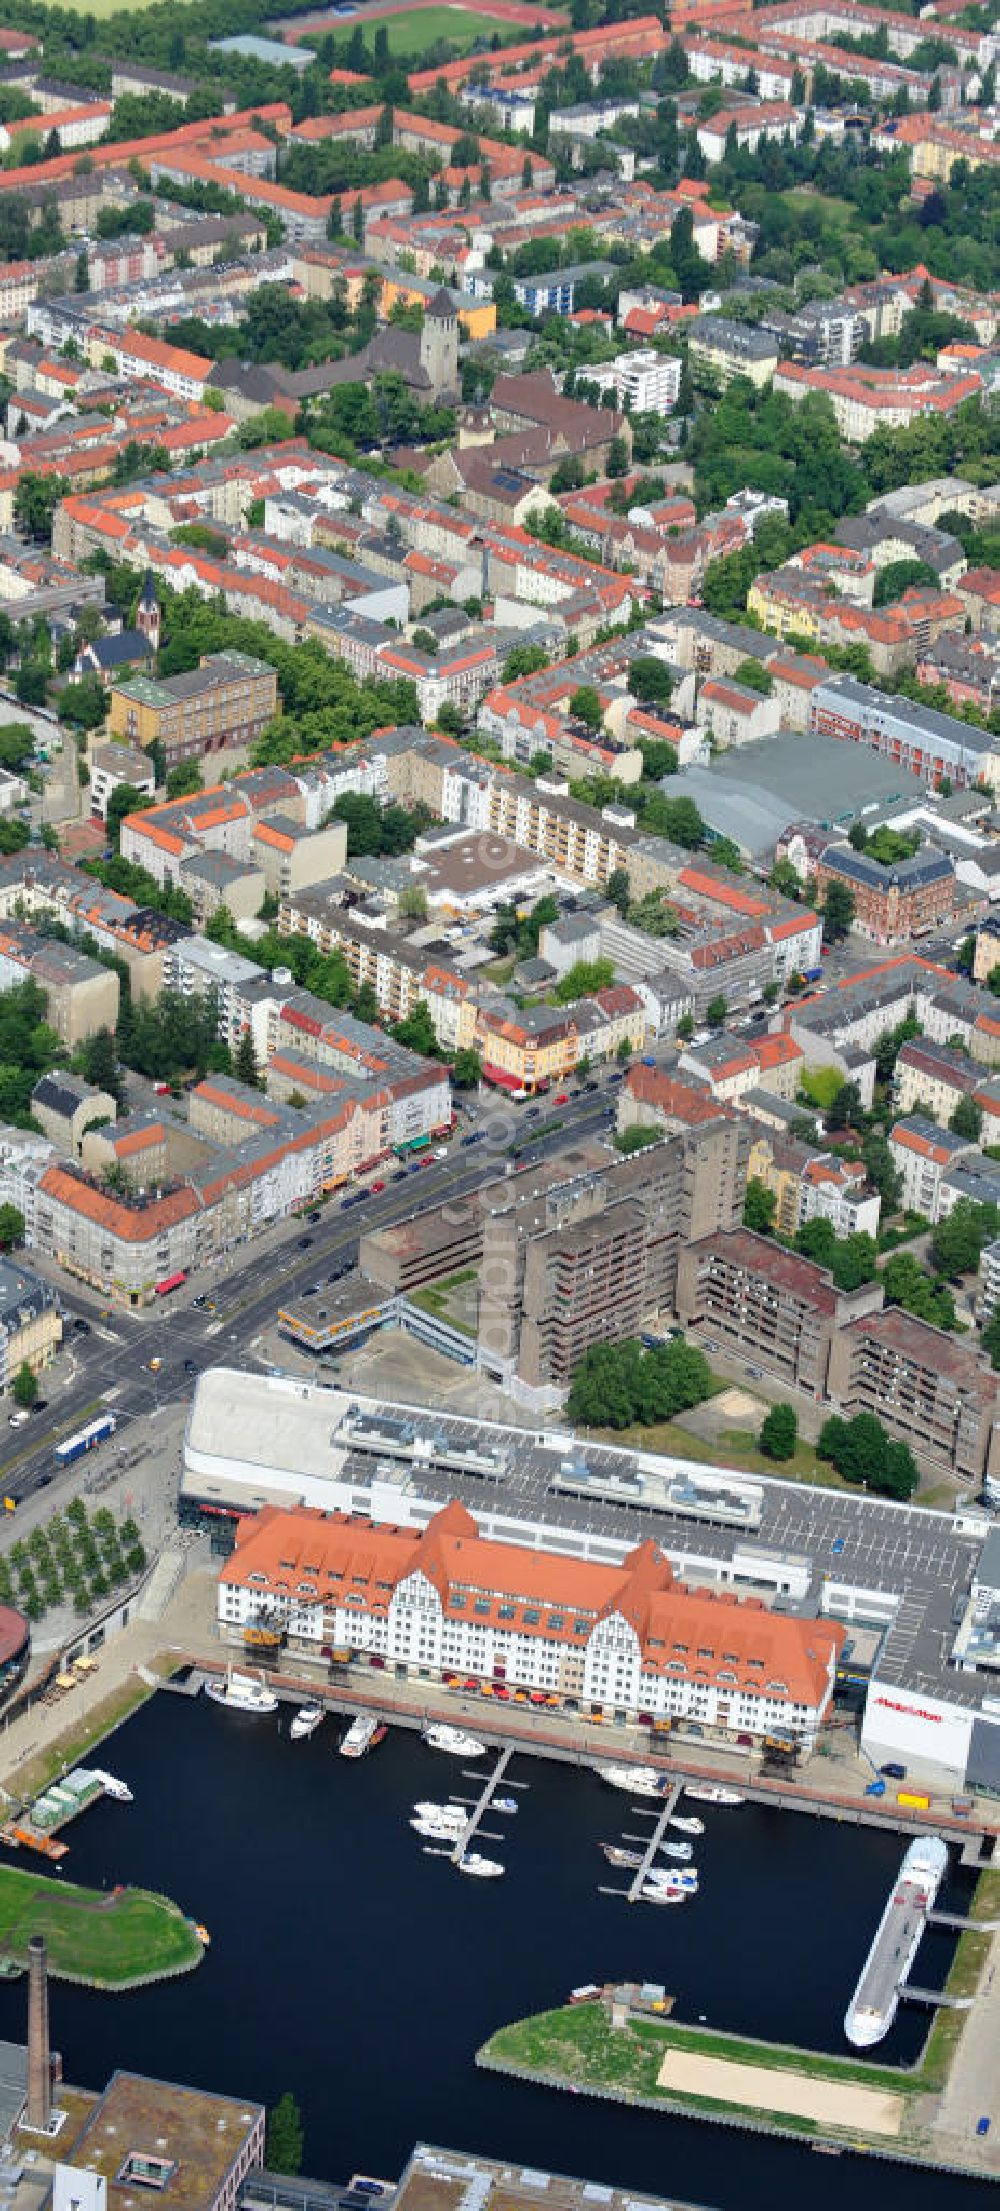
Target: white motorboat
503, 1804
484, 1869
242, 1692
307, 1719
437, 1830
111, 1785
635, 1780
711, 1792
454, 1740
662, 1896
680, 1877
688, 1826
616, 1856
361, 1735
454, 1813
682, 1850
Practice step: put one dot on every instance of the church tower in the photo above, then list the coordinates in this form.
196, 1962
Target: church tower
439, 345
148, 613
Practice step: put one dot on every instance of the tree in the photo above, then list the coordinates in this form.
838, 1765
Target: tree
838, 910
779, 1433
906, 1284
959, 1238
98, 1062
864, 1455
24, 1388
845, 1107
898, 576
618, 889
184, 780
83, 705
617, 457
284, 2144
650, 680
967, 1120
759, 1207
449, 718
467, 1069
35, 502
816, 1240
31, 683
585, 706
245, 1065
124, 800
418, 1031
715, 1012
882, 1172
618, 1383
11, 1227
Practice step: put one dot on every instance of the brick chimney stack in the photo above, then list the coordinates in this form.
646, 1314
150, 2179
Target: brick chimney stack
39, 2112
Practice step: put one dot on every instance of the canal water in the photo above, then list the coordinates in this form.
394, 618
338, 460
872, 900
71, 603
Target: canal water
350, 1967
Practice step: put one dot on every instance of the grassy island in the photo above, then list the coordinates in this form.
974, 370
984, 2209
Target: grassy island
115, 1940
656, 2061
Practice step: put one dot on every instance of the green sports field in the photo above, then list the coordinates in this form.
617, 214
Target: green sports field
115, 1939
412, 33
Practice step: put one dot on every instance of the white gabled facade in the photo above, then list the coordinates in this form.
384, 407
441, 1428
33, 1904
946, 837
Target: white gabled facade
624, 1640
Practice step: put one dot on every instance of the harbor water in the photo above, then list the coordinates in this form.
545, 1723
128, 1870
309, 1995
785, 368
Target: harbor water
361, 1973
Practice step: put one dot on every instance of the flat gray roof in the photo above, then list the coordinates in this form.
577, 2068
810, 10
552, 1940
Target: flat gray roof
812, 778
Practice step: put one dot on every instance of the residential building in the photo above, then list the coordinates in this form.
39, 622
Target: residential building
930, 1078
892, 903
81, 995
989, 1274
111, 765
928, 1388
934, 747
735, 714
65, 1107
644, 381
228, 700
769, 1304
923, 1154
589, 1259
624, 1639
30, 1322
720, 349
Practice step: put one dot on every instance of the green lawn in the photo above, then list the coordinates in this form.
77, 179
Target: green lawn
103, 8
833, 210
735, 1448
411, 33
124, 1936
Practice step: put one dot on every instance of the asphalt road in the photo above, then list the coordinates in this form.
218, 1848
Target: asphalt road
106, 1365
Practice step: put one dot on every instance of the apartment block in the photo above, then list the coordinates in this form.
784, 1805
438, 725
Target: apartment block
919, 740
768, 1304
589, 1260
30, 1322
932, 1078
81, 994
720, 349
228, 700
892, 904
923, 1155
925, 1387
